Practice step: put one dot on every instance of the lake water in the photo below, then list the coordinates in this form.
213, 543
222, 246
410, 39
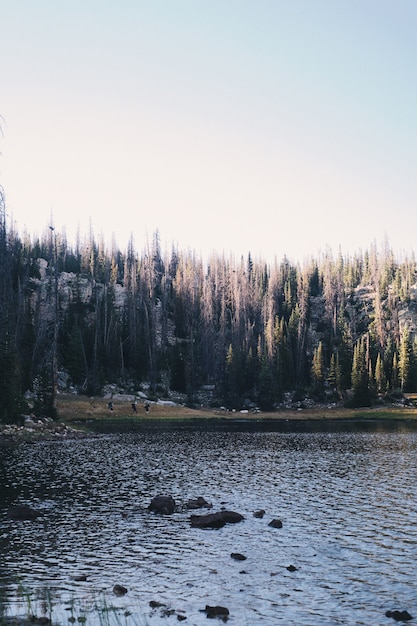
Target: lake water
346, 496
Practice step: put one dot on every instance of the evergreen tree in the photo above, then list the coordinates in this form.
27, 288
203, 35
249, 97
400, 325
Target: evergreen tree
334, 375
266, 386
11, 401
360, 376
405, 364
380, 378
230, 391
247, 327
395, 378
345, 356
317, 372
44, 393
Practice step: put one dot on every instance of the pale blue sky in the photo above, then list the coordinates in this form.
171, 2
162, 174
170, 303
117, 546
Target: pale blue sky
276, 127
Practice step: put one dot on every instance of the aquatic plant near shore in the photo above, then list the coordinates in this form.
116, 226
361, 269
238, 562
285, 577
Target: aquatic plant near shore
44, 611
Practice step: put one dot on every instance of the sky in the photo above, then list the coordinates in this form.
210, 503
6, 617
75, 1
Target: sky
275, 127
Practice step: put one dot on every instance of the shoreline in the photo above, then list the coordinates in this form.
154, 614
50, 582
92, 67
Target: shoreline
79, 417
73, 408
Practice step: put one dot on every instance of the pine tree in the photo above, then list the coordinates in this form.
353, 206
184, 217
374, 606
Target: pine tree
345, 356
334, 375
11, 402
395, 378
44, 393
266, 386
380, 378
317, 371
230, 394
360, 376
405, 364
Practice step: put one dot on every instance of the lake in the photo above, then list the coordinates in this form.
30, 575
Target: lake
345, 493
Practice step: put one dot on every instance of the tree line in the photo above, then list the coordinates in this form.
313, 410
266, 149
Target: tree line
335, 328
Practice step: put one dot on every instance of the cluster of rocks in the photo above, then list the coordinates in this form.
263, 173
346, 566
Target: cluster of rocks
220, 612
166, 505
37, 428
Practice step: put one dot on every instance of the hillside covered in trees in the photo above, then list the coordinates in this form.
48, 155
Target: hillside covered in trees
333, 329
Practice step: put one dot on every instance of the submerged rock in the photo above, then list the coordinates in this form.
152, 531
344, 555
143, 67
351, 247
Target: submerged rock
119, 590
215, 520
79, 578
154, 604
217, 611
22, 512
399, 616
211, 520
198, 503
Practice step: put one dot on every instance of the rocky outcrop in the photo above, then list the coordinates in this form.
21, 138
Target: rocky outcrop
41, 429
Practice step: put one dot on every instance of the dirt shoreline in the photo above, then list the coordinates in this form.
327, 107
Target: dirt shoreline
74, 408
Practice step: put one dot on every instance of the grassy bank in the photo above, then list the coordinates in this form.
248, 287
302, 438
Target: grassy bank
73, 408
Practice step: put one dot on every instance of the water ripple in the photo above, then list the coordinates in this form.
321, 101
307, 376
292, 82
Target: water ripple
347, 501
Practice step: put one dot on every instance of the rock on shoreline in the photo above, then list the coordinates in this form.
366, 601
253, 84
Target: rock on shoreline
40, 430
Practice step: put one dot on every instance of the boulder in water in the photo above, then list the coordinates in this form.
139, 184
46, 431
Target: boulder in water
275, 523
215, 520
164, 505
217, 611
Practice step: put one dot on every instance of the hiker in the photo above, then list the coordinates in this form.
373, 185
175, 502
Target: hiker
134, 410
147, 407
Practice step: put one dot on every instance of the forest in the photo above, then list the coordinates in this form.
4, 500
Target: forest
331, 329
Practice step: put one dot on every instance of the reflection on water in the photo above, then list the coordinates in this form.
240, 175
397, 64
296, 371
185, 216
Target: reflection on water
346, 497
